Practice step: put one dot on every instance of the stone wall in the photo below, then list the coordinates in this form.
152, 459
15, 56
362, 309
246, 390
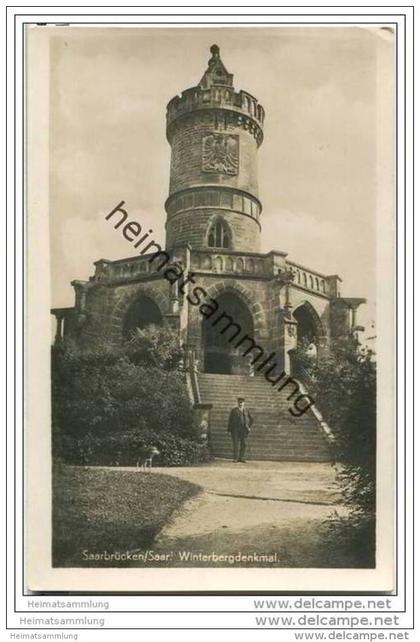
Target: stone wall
192, 227
107, 306
256, 295
187, 154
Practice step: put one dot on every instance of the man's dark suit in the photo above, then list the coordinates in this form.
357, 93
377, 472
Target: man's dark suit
239, 425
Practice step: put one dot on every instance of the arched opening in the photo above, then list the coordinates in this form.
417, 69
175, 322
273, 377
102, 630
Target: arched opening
309, 330
142, 312
220, 336
308, 325
219, 234
309, 340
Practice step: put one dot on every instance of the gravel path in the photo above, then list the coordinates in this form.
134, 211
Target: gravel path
271, 512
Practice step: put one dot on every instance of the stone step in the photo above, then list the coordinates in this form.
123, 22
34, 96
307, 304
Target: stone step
227, 443
269, 441
276, 434
280, 455
279, 444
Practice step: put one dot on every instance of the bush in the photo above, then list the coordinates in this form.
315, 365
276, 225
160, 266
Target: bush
122, 449
155, 346
109, 393
112, 399
344, 386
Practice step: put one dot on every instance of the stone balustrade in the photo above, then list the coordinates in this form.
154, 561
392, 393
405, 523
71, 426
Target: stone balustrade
220, 262
134, 267
310, 280
223, 262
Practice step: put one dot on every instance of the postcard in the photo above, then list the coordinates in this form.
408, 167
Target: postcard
210, 334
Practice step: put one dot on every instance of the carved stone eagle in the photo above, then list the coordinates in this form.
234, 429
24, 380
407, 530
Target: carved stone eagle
221, 154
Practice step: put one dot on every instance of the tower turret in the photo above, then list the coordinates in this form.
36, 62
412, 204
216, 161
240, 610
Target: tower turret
214, 133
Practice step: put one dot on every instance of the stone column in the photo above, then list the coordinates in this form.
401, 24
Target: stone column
103, 269
81, 289
288, 339
201, 421
181, 257
59, 328
343, 316
290, 343
333, 285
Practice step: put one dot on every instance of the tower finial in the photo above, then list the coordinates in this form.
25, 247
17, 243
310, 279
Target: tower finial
216, 73
215, 51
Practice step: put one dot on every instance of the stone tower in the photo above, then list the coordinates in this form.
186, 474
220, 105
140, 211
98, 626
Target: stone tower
267, 305
214, 133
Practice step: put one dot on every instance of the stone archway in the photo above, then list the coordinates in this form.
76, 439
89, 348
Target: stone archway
142, 312
310, 330
219, 353
247, 297
126, 299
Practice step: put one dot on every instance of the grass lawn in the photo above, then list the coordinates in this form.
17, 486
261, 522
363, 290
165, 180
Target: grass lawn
111, 510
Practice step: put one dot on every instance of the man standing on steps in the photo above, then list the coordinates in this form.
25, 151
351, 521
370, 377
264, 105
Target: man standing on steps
239, 426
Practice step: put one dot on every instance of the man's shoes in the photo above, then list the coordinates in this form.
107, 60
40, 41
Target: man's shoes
242, 461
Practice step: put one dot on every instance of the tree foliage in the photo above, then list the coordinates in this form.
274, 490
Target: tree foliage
156, 346
108, 391
344, 387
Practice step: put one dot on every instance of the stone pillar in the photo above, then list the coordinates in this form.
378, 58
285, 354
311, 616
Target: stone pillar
343, 316
174, 297
103, 268
59, 329
201, 421
181, 257
290, 342
354, 305
288, 335
277, 262
81, 289
333, 285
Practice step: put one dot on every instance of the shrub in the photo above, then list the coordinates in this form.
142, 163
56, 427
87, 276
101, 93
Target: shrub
108, 399
155, 346
122, 449
109, 394
344, 386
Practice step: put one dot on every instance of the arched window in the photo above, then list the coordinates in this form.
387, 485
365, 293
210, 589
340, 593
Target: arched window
218, 235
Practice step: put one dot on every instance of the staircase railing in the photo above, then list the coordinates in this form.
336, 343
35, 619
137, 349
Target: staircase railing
191, 371
304, 378
323, 425
201, 411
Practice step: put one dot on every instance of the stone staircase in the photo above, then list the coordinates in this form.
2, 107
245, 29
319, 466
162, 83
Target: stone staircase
276, 434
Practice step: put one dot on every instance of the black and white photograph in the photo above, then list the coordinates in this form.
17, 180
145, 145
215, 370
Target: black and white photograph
219, 201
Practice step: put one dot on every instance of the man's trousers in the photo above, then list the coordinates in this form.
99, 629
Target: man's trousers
239, 437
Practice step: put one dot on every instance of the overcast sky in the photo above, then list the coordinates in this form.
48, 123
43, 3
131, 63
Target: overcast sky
317, 164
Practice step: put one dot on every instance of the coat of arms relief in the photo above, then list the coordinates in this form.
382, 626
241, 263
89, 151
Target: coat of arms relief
221, 154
